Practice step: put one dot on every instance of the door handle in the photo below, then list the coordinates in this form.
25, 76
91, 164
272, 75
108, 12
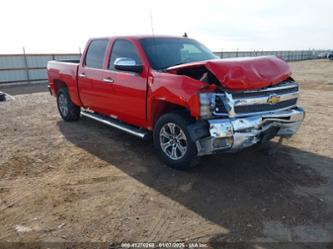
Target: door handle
108, 80
82, 75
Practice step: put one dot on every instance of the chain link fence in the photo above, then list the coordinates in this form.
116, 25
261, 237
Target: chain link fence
287, 55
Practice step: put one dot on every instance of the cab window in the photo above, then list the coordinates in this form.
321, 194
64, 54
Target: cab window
123, 48
96, 52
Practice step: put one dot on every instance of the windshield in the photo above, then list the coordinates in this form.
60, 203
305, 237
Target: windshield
167, 52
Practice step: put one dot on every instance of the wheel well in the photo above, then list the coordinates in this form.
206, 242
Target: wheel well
161, 107
58, 84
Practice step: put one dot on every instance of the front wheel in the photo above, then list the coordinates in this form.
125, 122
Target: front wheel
173, 142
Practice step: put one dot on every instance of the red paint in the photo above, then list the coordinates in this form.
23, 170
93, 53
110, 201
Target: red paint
139, 99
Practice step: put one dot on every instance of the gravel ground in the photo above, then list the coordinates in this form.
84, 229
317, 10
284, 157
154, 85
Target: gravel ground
24, 88
83, 181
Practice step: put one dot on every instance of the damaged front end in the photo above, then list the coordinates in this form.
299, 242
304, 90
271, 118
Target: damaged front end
239, 133
241, 119
237, 116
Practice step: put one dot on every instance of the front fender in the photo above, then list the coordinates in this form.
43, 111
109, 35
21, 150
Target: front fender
179, 90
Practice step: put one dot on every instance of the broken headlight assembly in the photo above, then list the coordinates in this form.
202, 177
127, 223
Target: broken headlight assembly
212, 104
206, 105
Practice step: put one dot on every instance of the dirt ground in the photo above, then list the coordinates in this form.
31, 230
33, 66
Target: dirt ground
83, 181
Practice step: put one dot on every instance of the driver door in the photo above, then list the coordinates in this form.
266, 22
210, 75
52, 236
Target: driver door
128, 94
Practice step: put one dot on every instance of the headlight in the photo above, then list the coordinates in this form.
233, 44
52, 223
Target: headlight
206, 100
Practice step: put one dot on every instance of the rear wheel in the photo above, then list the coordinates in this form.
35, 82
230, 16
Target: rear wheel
173, 142
68, 111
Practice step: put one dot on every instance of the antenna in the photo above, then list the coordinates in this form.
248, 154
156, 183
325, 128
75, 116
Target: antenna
152, 31
151, 22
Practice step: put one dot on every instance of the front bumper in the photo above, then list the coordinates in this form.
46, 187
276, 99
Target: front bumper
238, 133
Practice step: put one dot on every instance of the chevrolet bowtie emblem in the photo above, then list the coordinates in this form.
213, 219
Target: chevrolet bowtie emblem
273, 99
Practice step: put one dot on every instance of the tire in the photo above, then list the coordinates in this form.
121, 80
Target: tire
68, 111
2, 96
174, 145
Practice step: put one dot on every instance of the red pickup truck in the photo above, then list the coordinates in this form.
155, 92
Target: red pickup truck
178, 91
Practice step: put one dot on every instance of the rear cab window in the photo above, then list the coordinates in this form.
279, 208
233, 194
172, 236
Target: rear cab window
96, 53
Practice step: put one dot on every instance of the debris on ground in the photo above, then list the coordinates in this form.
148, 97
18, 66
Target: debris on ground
22, 229
2, 96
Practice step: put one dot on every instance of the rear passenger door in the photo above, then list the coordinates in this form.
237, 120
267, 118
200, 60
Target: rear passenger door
94, 91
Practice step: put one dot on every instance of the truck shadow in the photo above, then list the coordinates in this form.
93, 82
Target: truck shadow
240, 192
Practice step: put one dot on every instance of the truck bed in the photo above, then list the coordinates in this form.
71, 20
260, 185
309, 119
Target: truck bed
60, 71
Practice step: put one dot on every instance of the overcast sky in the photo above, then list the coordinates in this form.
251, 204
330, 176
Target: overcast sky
64, 25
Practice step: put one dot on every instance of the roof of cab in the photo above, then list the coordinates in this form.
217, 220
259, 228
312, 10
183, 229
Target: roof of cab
138, 37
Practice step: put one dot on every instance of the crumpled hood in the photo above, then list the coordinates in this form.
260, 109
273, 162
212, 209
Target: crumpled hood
245, 73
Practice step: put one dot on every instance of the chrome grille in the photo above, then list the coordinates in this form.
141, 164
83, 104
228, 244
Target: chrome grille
265, 107
270, 99
283, 88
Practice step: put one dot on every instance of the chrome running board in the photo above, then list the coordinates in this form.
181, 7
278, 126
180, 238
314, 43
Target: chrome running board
143, 134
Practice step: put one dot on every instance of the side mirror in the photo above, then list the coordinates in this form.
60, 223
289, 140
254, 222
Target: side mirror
127, 64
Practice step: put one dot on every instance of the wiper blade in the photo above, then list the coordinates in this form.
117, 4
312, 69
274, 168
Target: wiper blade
165, 68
